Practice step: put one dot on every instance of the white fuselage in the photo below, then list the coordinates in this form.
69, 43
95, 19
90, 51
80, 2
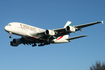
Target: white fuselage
25, 30
21, 29
34, 35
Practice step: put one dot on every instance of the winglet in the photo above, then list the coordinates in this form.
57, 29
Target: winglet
67, 24
102, 22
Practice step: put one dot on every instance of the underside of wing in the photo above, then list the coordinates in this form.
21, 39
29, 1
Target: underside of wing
88, 24
61, 32
76, 37
49, 35
40, 35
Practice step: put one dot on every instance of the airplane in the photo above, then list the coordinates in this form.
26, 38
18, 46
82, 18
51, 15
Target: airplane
31, 35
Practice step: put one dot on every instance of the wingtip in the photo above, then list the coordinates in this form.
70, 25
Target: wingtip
102, 22
85, 35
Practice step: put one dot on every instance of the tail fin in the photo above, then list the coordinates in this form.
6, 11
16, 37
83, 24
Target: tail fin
67, 24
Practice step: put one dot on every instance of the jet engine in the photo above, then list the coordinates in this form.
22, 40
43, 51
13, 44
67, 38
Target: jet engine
50, 32
70, 28
15, 42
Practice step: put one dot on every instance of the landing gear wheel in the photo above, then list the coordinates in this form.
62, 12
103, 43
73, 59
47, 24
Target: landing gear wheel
34, 45
41, 44
10, 36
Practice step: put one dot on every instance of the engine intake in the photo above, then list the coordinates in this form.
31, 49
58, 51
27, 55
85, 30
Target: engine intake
70, 28
50, 32
15, 42
67, 28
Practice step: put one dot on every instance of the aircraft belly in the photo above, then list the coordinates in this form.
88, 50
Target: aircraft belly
34, 40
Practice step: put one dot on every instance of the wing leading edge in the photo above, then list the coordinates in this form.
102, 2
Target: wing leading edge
88, 24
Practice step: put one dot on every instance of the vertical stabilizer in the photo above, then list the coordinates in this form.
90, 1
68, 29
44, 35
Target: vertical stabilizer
67, 24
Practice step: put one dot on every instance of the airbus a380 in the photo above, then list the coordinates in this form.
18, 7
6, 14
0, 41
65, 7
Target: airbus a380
34, 35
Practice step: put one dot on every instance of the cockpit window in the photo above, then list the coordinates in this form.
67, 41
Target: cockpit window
9, 25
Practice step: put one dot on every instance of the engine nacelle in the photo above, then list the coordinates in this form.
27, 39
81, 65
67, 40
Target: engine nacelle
70, 28
50, 32
15, 42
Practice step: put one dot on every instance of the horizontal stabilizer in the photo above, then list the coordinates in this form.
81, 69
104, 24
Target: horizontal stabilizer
76, 37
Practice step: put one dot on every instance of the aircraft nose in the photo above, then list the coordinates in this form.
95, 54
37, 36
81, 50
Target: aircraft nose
6, 28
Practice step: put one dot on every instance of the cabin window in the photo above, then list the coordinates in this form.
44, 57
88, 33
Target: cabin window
9, 24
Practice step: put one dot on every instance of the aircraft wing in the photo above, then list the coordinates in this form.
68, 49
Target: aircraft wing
43, 36
61, 31
86, 25
40, 35
76, 37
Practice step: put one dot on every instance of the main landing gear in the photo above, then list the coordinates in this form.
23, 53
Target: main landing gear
34, 45
40, 44
10, 34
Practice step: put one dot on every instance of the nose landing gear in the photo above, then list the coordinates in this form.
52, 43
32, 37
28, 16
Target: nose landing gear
10, 34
